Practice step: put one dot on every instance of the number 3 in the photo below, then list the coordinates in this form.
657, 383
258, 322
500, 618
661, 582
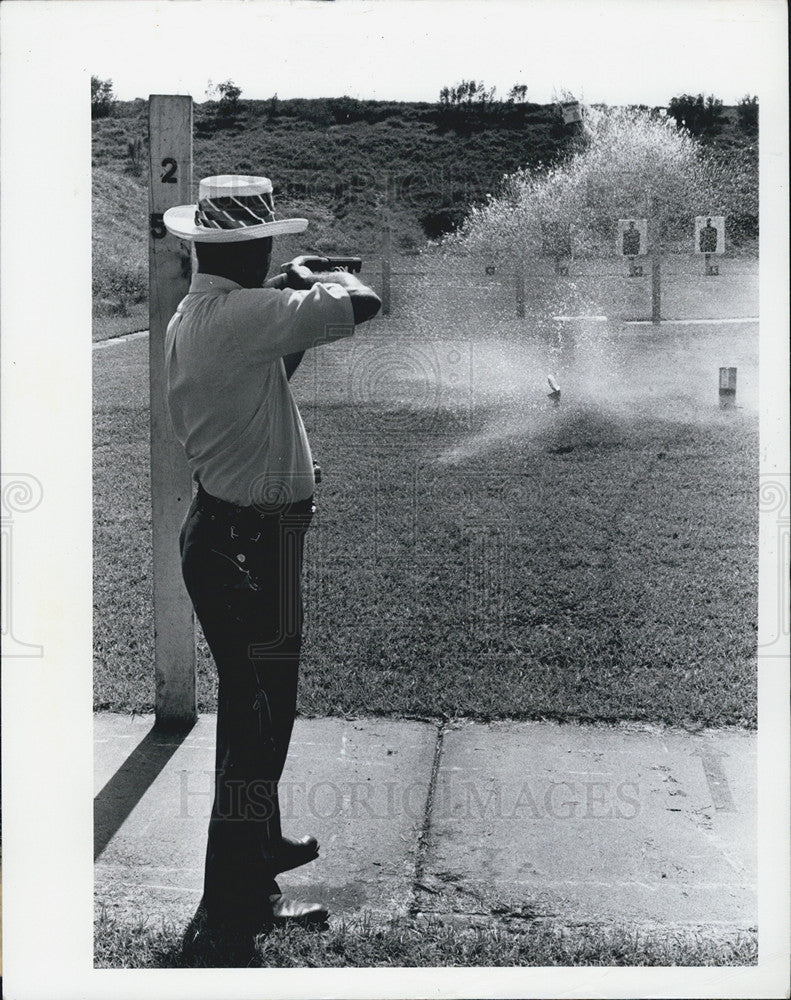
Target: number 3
169, 176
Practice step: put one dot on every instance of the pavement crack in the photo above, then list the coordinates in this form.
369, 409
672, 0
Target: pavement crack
426, 888
425, 829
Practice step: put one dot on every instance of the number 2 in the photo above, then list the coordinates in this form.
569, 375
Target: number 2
169, 176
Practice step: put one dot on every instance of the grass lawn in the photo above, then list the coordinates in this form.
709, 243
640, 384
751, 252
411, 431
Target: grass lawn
406, 943
476, 551
105, 327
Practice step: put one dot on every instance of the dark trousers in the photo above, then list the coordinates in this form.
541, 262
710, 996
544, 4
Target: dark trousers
242, 567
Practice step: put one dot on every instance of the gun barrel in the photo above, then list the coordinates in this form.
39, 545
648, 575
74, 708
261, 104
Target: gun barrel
352, 264
320, 264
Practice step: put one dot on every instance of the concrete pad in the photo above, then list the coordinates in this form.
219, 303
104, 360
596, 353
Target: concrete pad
593, 823
360, 786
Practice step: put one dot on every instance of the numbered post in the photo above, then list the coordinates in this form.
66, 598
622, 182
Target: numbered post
170, 183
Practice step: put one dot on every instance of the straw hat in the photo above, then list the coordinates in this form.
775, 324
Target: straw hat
230, 208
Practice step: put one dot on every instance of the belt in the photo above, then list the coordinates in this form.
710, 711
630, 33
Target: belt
256, 512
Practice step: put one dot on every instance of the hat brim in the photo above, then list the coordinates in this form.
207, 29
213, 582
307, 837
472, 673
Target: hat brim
180, 221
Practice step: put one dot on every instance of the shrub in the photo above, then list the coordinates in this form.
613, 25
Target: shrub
318, 113
700, 116
228, 104
134, 152
439, 222
102, 97
747, 111
120, 240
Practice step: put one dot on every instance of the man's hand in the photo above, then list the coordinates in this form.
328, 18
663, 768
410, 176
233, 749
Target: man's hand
297, 271
292, 275
295, 274
311, 262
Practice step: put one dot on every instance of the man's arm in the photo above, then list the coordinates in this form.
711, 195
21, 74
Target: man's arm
365, 302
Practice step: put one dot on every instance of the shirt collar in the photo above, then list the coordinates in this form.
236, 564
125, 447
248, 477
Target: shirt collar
211, 283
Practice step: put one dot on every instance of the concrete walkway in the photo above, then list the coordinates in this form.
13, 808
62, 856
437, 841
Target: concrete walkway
125, 338
577, 823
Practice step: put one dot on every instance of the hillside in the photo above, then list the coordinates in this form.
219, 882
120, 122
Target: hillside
322, 151
330, 161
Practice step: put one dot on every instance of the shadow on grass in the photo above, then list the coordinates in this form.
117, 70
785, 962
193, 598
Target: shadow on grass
114, 803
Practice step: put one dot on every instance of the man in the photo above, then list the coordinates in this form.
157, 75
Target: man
231, 349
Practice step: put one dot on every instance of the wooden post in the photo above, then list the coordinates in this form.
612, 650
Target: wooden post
386, 250
727, 388
656, 287
170, 183
656, 264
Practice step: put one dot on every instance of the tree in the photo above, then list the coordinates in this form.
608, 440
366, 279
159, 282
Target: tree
102, 97
700, 116
747, 110
487, 97
466, 95
229, 99
518, 93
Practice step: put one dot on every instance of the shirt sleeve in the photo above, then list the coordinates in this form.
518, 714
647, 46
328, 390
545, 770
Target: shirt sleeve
268, 323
